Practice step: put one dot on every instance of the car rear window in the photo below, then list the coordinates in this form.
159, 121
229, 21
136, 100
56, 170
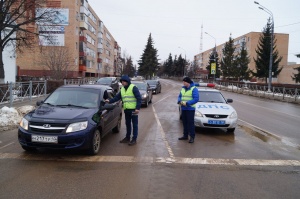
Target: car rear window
140, 86
104, 80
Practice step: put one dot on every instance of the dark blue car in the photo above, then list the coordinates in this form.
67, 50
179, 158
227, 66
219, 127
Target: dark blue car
73, 116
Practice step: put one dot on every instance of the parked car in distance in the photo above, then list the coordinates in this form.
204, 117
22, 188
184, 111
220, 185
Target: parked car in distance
155, 86
145, 91
72, 117
109, 81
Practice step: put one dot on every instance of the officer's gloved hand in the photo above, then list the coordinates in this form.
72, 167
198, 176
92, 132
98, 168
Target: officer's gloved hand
183, 103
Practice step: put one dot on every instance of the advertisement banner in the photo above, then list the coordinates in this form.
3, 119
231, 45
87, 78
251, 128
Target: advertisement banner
213, 68
51, 35
53, 16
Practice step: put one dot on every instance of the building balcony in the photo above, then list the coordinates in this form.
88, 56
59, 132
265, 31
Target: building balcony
99, 60
82, 68
83, 39
82, 54
83, 25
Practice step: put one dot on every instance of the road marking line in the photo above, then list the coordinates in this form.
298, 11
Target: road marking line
6, 145
165, 160
163, 134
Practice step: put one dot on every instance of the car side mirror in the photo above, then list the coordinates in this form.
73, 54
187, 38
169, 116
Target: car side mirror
38, 103
229, 100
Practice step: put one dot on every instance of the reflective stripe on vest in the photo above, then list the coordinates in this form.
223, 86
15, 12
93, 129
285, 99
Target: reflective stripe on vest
128, 98
187, 95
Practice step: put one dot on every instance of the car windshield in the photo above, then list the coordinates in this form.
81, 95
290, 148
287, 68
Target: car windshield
104, 80
152, 82
140, 86
208, 96
80, 97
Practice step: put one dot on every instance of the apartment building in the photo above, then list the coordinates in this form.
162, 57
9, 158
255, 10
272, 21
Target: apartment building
92, 49
251, 42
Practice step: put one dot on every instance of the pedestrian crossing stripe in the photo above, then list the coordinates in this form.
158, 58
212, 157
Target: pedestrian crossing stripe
162, 160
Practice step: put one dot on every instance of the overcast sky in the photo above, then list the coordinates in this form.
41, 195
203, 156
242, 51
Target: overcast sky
175, 23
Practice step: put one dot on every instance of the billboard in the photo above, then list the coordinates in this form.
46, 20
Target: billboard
51, 35
53, 16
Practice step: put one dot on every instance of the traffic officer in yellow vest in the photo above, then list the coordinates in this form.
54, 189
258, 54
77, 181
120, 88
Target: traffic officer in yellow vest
131, 98
188, 97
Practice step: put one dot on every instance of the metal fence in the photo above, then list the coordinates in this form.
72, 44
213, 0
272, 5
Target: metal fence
277, 93
21, 91
80, 81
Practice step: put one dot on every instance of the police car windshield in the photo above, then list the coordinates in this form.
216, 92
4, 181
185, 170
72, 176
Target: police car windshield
207, 96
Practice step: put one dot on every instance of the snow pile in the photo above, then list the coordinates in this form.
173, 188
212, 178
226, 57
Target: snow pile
11, 117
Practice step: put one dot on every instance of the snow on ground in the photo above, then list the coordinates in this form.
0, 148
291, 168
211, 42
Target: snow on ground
11, 117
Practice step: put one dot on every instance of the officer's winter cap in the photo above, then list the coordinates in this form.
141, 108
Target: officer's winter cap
187, 79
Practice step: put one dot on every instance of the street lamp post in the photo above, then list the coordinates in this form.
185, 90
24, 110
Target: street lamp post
215, 60
183, 74
271, 46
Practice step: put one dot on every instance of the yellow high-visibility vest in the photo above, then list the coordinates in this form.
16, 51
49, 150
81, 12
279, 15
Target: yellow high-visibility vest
187, 95
128, 98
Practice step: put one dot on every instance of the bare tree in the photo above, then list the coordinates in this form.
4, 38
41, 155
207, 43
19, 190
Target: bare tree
57, 59
17, 24
106, 69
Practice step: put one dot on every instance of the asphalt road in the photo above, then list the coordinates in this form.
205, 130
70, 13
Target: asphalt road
260, 160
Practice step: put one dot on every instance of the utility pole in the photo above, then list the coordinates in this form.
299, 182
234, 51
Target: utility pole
271, 45
213, 66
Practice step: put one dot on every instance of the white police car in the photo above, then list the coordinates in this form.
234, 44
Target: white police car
213, 110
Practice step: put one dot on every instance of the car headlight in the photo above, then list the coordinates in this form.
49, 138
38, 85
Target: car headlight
144, 95
233, 115
78, 126
24, 123
198, 114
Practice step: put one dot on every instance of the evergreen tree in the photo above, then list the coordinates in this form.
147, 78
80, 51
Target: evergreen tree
243, 61
148, 64
297, 76
228, 59
263, 55
169, 65
180, 66
214, 58
128, 68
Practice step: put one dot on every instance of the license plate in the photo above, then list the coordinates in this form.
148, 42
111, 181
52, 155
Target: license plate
44, 139
216, 122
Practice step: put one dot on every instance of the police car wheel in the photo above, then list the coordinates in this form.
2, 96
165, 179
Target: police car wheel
230, 130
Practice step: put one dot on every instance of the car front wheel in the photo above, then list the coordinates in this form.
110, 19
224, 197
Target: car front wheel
230, 130
95, 143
